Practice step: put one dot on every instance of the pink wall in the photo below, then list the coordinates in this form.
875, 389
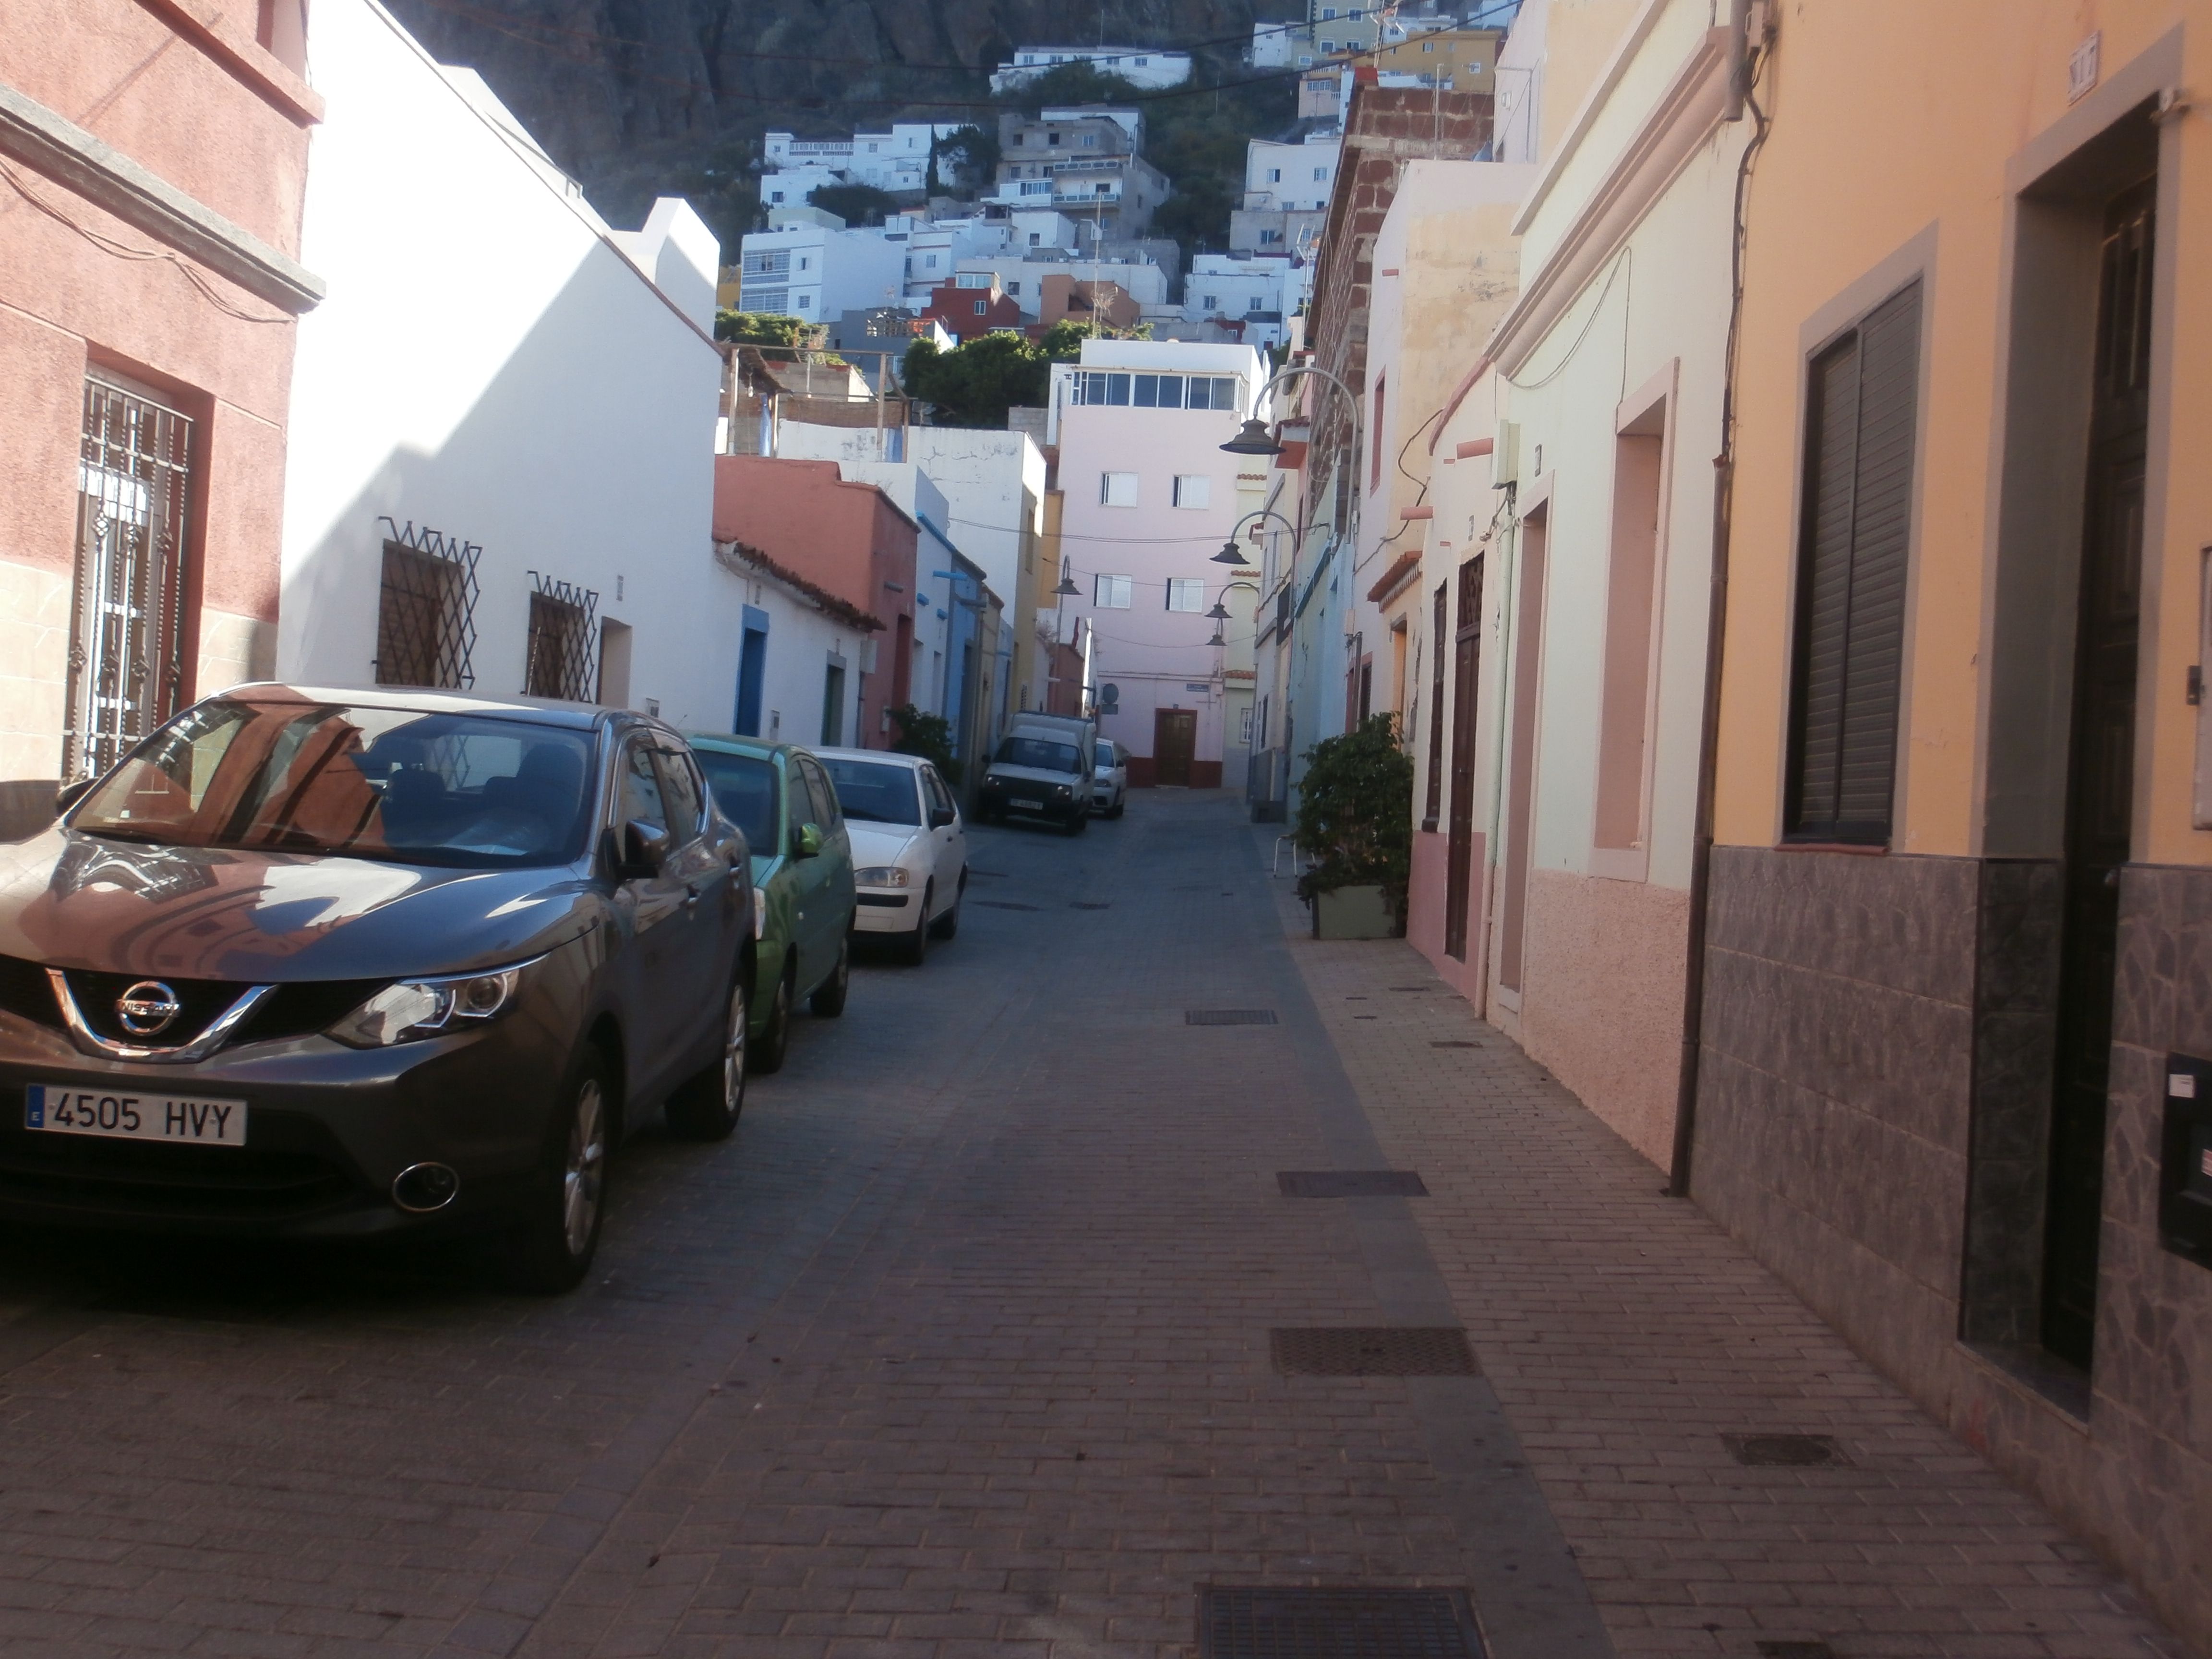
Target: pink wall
1424, 912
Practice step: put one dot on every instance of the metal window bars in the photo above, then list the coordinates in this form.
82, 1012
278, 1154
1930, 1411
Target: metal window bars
126, 642
425, 632
561, 638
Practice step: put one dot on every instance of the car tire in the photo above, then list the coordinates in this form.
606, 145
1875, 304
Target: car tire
948, 924
706, 1106
552, 1249
829, 998
1077, 824
1118, 808
774, 1044
914, 949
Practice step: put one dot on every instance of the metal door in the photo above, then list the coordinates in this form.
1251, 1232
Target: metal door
1174, 740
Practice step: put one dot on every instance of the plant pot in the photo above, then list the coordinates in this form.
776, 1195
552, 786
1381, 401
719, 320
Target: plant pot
1360, 912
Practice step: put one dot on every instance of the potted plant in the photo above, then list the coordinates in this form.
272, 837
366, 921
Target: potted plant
1356, 820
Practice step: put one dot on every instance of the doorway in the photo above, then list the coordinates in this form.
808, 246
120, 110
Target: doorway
752, 668
1467, 664
1521, 763
1174, 742
2100, 771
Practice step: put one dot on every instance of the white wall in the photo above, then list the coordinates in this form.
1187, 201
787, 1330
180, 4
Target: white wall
1297, 188
490, 363
1141, 66
828, 273
803, 641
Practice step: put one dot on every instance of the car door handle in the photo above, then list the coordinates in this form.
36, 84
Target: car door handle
691, 890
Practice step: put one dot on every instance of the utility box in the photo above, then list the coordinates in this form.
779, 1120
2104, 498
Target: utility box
2184, 1164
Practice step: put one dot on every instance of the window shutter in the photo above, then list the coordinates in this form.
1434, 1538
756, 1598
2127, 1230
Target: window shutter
1862, 397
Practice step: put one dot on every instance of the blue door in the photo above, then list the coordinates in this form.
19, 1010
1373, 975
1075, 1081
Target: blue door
753, 663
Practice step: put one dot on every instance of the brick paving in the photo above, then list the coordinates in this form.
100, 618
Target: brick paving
960, 1345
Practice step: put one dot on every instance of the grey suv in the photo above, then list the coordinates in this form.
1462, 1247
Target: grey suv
346, 964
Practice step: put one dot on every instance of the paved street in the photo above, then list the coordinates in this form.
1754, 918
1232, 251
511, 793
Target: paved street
962, 1344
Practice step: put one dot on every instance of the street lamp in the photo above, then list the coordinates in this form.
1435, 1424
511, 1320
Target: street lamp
1068, 589
1231, 553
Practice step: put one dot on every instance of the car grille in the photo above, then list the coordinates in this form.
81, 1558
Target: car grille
204, 1002
300, 1172
297, 1011
26, 991
290, 1011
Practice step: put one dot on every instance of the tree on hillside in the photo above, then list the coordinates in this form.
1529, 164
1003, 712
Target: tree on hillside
967, 158
975, 383
764, 328
856, 204
1071, 84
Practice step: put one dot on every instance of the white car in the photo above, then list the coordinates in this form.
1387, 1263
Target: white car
909, 845
1110, 778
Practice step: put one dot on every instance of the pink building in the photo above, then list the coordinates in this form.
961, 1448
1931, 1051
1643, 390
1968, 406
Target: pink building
1149, 499
154, 159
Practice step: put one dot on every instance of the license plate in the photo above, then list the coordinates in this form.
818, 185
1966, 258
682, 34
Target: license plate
179, 1120
1028, 806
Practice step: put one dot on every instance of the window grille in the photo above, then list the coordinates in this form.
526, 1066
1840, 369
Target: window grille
426, 631
126, 644
559, 663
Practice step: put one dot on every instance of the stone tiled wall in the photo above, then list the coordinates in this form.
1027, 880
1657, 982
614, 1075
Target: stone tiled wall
1877, 1071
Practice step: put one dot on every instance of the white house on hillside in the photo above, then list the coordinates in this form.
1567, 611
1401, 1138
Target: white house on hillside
1141, 66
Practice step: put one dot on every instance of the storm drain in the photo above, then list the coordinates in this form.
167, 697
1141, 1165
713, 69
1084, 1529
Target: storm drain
1371, 1351
1004, 904
1081, 904
1794, 1650
1784, 1452
1238, 1623
1229, 1016
1350, 1183
1455, 1044
1417, 988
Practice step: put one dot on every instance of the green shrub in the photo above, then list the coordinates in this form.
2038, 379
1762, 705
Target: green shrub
929, 735
1356, 812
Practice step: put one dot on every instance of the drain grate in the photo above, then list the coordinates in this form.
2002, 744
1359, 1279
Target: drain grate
1350, 1183
1004, 904
1417, 988
1454, 1044
1234, 1622
1083, 904
1793, 1650
1371, 1351
1784, 1452
1229, 1016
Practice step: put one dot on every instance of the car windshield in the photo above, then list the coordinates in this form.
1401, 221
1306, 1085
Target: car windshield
1040, 753
405, 785
874, 792
745, 788
1106, 756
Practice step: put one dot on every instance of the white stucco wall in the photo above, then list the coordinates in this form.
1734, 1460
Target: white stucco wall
803, 641
491, 364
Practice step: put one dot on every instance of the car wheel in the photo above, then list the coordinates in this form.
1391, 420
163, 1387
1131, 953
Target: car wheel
1118, 808
948, 924
775, 1043
553, 1248
829, 998
915, 945
707, 1106
1077, 824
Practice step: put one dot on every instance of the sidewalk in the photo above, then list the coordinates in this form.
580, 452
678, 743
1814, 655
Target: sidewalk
1626, 1335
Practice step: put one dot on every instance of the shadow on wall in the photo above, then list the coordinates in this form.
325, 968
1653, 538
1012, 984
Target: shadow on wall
570, 462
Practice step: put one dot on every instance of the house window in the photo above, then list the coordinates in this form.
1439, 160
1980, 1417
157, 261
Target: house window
1104, 388
1185, 593
1194, 489
1117, 489
1428, 45
1159, 391
1274, 175
1319, 173
1090, 141
776, 195
982, 307
930, 263
1861, 402
557, 660
424, 634
803, 262
1269, 237
1209, 303
1110, 592
1014, 287
1052, 138
126, 642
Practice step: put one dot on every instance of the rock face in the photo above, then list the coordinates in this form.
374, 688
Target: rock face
633, 96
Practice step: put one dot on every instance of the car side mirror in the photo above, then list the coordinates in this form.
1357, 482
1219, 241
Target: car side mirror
644, 849
70, 794
941, 817
809, 845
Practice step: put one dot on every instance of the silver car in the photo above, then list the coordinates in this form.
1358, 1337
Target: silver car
1110, 778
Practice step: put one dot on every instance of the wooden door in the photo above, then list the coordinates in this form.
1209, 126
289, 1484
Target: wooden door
2100, 775
1467, 663
1174, 740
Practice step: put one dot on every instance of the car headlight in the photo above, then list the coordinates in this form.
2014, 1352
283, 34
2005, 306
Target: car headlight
880, 875
418, 1008
1060, 790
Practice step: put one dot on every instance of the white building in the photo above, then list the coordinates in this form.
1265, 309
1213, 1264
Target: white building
1141, 66
1262, 294
816, 272
896, 159
1297, 178
1281, 46
1022, 276
499, 469
795, 186
794, 632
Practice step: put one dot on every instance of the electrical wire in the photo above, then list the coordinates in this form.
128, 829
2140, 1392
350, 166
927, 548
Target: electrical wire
123, 251
1620, 261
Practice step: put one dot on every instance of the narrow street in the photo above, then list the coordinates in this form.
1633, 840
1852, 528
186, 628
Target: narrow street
962, 1344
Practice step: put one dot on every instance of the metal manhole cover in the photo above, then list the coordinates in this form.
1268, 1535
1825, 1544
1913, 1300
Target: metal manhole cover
1784, 1452
1236, 1622
1229, 1016
1004, 904
1350, 1183
1371, 1351
1455, 1044
1080, 904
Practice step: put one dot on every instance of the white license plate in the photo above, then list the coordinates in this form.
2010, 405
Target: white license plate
1027, 805
193, 1122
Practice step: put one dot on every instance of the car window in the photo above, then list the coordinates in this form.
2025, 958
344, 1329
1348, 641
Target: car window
1106, 756
744, 789
679, 789
940, 798
826, 814
798, 810
1042, 754
640, 798
874, 792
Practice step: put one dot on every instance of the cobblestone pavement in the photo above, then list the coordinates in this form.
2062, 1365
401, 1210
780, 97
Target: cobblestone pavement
962, 1344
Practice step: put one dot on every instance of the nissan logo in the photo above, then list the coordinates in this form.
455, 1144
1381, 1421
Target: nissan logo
147, 1008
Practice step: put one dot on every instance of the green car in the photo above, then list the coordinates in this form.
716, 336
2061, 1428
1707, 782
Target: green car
781, 798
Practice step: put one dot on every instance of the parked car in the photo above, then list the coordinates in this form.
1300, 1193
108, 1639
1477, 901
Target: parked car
780, 797
351, 964
1109, 778
909, 845
1039, 773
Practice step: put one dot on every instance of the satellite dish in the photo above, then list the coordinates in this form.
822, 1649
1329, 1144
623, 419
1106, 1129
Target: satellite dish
1110, 698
